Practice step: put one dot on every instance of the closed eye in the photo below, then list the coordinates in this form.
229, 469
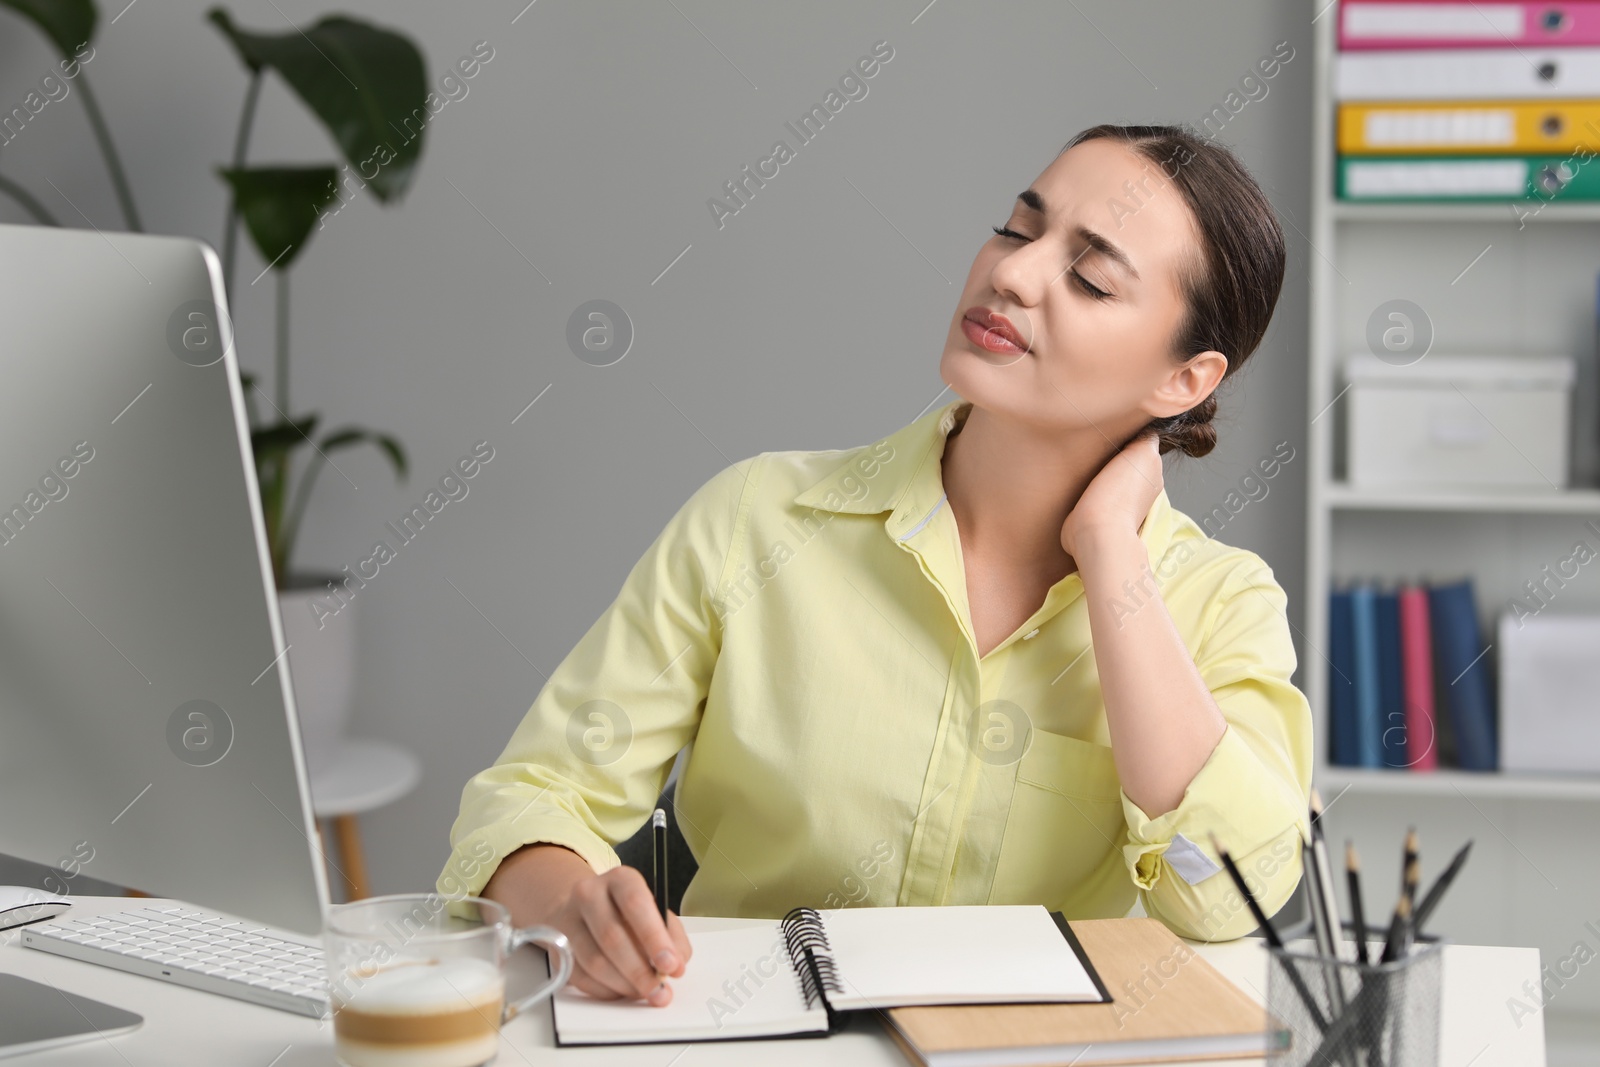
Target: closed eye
1083, 283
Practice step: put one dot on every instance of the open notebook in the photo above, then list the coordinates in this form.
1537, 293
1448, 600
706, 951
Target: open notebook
751, 978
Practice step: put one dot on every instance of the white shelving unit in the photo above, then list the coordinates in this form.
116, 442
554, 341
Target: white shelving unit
1341, 497
1581, 212
1488, 281
1361, 256
1467, 784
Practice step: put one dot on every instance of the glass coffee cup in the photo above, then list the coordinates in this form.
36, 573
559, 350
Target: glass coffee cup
419, 979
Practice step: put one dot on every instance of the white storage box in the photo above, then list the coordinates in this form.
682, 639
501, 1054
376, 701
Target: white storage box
1550, 693
1463, 420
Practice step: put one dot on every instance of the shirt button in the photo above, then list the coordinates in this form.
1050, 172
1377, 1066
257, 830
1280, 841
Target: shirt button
1031, 634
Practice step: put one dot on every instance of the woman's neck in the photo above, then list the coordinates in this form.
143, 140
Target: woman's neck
1011, 488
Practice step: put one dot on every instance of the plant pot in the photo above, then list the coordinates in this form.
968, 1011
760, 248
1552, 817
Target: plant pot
319, 628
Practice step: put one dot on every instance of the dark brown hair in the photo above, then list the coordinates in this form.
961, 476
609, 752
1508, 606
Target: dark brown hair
1231, 294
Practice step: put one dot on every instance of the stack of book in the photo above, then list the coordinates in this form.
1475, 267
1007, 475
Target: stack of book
1445, 101
1409, 684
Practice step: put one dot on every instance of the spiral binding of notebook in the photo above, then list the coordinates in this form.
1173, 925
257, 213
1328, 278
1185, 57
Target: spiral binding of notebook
807, 940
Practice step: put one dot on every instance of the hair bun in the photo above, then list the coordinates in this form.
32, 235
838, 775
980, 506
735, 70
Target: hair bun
1190, 432
1230, 284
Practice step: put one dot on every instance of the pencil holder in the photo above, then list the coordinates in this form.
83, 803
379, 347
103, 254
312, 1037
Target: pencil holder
1339, 1013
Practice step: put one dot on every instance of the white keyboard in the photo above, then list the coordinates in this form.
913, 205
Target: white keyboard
198, 949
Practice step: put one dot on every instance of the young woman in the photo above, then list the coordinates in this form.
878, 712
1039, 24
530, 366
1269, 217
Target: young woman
982, 660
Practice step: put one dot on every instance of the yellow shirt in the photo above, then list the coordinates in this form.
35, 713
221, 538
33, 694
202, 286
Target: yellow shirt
803, 621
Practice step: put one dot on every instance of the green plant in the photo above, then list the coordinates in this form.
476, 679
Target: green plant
367, 86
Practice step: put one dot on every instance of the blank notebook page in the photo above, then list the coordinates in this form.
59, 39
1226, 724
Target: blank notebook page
961, 954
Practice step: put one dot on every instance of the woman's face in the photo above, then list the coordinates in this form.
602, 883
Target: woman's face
1086, 361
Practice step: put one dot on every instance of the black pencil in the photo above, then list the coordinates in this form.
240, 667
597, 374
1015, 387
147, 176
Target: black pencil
1358, 915
1249, 898
659, 862
1397, 925
1271, 933
1436, 891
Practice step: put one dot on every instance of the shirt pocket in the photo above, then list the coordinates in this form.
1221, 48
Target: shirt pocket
1065, 827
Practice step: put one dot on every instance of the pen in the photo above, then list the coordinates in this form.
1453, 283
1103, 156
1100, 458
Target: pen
1431, 900
1358, 917
1271, 933
658, 866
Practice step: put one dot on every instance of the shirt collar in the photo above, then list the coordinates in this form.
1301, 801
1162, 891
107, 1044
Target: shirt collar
909, 481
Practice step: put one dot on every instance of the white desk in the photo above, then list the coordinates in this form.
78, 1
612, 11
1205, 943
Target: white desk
185, 1027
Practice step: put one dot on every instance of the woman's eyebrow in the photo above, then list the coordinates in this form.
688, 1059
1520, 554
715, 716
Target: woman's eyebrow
1096, 241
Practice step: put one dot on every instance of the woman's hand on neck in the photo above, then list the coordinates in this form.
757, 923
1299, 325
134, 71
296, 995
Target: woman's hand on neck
1012, 490
1115, 503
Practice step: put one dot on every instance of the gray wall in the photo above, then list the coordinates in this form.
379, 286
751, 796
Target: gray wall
578, 167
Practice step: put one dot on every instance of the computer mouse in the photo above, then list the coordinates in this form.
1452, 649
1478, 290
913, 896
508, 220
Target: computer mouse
21, 905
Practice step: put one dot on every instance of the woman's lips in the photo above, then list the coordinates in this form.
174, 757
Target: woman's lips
992, 332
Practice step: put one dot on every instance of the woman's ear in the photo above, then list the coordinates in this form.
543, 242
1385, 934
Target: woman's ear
1187, 385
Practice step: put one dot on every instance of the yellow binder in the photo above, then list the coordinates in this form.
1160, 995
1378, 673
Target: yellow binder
1515, 127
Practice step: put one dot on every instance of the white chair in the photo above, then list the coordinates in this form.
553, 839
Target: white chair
358, 775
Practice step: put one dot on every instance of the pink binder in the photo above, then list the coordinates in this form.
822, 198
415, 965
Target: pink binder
1416, 668
1447, 24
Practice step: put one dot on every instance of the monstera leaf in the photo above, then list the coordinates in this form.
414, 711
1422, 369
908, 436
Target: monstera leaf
68, 23
280, 205
363, 82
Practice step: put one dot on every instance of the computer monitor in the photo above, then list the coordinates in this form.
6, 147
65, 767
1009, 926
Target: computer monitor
148, 734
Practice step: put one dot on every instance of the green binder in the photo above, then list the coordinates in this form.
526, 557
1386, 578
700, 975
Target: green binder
1455, 179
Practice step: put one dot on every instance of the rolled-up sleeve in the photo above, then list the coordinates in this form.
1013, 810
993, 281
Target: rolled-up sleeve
584, 767
1253, 790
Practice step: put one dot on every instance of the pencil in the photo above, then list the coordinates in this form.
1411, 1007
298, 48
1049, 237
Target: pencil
1320, 927
1391, 945
1324, 876
1358, 916
659, 862
1408, 892
1249, 898
1271, 933
1407, 858
1324, 907
1436, 891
